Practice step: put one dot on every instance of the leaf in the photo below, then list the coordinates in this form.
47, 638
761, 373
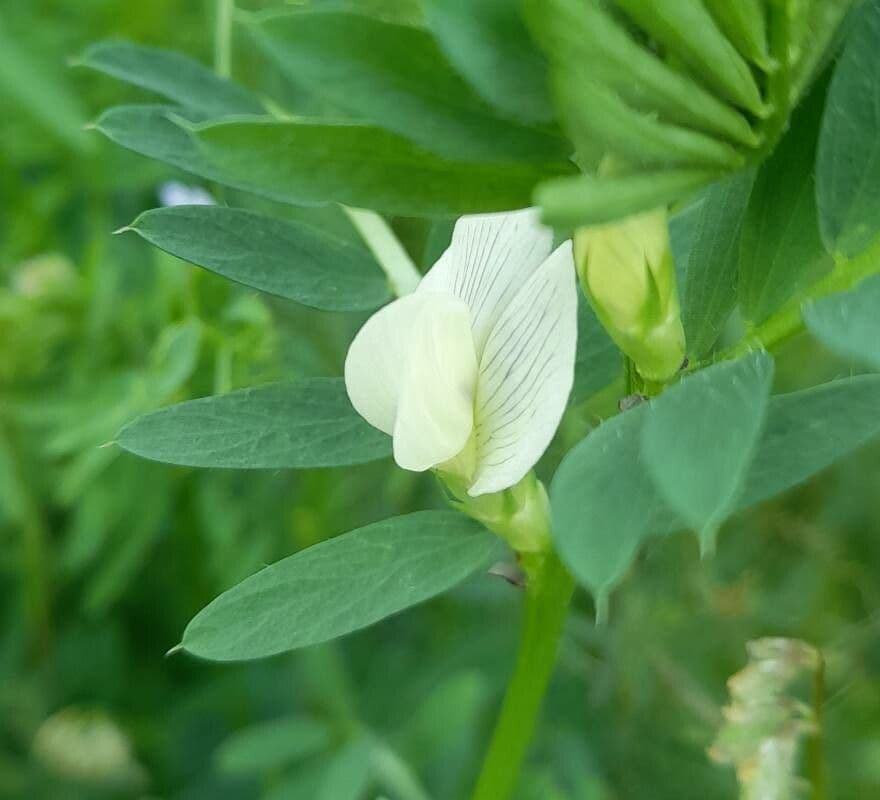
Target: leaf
848, 323
583, 41
848, 161
488, 43
310, 163
686, 29
172, 75
396, 77
290, 259
744, 24
604, 503
309, 423
35, 87
340, 586
272, 745
780, 246
808, 431
364, 167
589, 200
598, 361
700, 437
704, 239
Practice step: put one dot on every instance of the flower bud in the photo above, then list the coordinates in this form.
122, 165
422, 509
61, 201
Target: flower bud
626, 271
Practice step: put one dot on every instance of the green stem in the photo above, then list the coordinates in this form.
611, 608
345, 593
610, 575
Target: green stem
815, 754
223, 37
386, 247
548, 595
788, 321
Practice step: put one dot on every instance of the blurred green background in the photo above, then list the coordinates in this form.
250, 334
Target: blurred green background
104, 558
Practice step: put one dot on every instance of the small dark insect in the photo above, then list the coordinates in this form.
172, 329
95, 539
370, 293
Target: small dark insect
630, 401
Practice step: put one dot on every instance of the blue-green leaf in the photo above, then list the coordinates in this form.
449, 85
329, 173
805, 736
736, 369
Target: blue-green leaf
287, 258
172, 75
849, 323
305, 424
701, 436
340, 586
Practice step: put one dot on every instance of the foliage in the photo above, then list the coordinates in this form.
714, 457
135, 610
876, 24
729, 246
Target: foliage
756, 129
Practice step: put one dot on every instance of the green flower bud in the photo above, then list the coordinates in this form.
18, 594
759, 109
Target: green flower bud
626, 271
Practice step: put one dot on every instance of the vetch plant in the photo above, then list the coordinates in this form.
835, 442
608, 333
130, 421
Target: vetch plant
717, 172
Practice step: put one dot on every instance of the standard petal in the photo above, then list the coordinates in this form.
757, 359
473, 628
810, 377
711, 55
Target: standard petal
490, 258
526, 374
376, 360
435, 413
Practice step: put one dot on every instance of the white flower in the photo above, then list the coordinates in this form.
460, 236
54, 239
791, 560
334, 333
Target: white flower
471, 373
174, 193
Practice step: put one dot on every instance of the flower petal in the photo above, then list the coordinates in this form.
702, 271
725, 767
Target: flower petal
490, 258
435, 414
377, 358
526, 374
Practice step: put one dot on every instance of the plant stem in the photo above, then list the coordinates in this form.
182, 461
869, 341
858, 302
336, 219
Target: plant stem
788, 321
385, 246
815, 755
223, 37
548, 595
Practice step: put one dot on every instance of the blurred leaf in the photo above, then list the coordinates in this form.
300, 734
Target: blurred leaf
347, 773
340, 586
174, 358
271, 745
704, 238
488, 43
584, 42
305, 424
42, 92
687, 30
780, 246
848, 161
577, 200
172, 75
605, 503
848, 323
700, 437
598, 361
397, 78
287, 258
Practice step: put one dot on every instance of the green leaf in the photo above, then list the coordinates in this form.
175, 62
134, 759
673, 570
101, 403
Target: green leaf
287, 258
340, 586
687, 29
583, 41
312, 163
848, 323
604, 502
41, 91
396, 77
744, 24
700, 437
365, 167
305, 424
272, 745
780, 249
808, 431
848, 161
589, 200
704, 238
172, 75
598, 361
488, 43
